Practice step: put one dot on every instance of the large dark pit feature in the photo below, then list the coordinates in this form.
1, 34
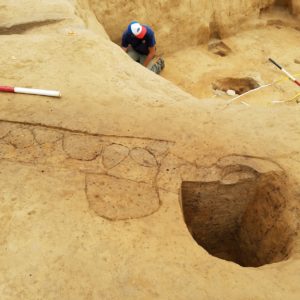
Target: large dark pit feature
243, 222
239, 85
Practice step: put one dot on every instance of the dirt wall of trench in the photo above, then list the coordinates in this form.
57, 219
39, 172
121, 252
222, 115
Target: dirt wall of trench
172, 20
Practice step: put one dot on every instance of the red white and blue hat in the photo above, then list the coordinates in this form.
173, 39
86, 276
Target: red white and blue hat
137, 29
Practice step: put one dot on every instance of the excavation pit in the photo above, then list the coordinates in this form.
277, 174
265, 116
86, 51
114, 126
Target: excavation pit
239, 85
243, 222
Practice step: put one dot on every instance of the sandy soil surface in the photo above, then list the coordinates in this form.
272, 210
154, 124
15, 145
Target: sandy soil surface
274, 35
130, 187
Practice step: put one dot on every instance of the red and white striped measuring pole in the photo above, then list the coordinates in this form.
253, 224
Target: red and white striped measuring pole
285, 71
19, 90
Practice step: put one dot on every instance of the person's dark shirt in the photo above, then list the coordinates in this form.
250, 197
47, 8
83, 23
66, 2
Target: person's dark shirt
139, 45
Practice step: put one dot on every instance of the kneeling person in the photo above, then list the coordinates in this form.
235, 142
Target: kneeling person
139, 42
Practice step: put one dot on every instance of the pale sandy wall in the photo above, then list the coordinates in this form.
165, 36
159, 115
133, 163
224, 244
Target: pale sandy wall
295, 7
177, 22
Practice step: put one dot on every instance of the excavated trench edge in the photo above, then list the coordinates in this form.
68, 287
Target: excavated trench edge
244, 222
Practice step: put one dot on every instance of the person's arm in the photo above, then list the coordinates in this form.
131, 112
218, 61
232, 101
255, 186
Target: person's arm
125, 43
149, 57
